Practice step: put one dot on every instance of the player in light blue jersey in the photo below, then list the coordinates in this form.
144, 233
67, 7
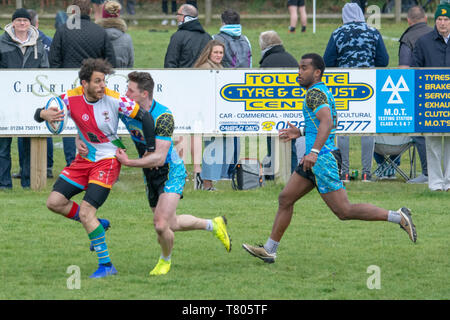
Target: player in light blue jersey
319, 167
164, 173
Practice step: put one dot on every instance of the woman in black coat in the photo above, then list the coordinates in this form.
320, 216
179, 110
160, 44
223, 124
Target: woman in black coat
273, 53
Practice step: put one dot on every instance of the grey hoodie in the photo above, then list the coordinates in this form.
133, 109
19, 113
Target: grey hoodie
15, 54
351, 12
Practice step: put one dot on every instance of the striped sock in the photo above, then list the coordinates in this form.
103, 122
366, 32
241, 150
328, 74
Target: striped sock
74, 212
97, 238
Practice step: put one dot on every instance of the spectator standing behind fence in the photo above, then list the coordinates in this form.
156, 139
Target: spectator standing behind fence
131, 10
238, 50
184, 48
116, 29
273, 55
433, 50
213, 168
165, 10
296, 7
72, 44
356, 45
46, 41
20, 48
188, 41
417, 21
238, 54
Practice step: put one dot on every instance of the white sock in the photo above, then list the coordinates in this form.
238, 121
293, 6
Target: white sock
166, 258
209, 225
394, 217
271, 246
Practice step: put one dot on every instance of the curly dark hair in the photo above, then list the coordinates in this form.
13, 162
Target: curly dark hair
144, 81
90, 65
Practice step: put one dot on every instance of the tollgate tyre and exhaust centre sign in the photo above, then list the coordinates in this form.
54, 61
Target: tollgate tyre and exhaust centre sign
368, 101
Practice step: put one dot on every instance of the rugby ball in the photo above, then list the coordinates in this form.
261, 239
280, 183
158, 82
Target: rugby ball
56, 127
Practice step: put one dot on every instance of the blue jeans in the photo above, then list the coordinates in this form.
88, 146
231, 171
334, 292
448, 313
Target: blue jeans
220, 156
130, 6
5, 163
422, 151
367, 146
294, 159
22, 151
70, 149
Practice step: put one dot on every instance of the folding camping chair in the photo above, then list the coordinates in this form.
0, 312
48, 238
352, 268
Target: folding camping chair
395, 146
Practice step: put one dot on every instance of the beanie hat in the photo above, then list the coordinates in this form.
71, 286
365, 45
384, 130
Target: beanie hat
442, 10
21, 13
111, 9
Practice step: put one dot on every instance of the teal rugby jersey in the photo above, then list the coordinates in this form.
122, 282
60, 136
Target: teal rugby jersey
164, 127
318, 97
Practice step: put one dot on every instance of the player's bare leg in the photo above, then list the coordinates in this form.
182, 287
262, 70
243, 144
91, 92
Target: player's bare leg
338, 202
296, 188
87, 217
167, 223
303, 17
293, 18
58, 203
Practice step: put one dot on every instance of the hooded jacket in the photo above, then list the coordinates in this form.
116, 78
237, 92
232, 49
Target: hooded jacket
121, 41
14, 54
355, 44
238, 50
185, 45
70, 46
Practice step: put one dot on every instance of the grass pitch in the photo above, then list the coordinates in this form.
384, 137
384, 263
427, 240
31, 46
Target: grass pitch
320, 257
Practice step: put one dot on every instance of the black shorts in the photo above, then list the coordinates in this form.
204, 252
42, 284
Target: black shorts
95, 194
156, 183
297, 3
306, 174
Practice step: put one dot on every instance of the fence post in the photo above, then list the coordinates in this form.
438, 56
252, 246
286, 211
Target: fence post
38, 163
398, 10
283, 163
208, 12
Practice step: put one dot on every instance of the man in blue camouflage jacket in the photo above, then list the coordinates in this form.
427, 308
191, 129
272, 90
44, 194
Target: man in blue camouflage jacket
356, 45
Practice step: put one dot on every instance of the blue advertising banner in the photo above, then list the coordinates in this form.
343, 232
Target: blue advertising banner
432, 101
395, 101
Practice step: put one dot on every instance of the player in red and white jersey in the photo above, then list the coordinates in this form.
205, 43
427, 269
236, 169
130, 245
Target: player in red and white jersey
97, 122
95, 110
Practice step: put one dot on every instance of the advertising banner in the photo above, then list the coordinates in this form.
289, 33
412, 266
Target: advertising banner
190, 96
251, 101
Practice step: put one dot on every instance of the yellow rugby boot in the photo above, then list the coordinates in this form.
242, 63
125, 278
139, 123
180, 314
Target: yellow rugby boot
162, 267
221, 233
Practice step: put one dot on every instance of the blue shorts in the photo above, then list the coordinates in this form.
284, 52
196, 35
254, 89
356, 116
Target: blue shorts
325, 173
167, 179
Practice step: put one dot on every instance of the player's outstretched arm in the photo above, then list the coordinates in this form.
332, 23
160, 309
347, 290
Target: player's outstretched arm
291, 133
